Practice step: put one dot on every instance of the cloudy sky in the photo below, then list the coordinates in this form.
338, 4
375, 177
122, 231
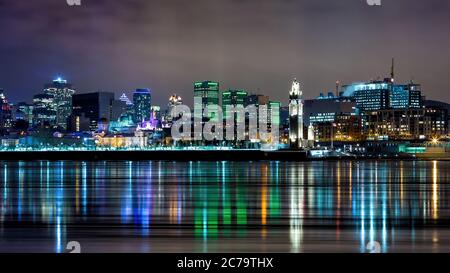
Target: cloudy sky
258, 45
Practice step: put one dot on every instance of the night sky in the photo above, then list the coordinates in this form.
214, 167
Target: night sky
257, 45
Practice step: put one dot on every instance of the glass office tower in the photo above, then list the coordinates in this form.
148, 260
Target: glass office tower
62, 93
207, 94
142, 101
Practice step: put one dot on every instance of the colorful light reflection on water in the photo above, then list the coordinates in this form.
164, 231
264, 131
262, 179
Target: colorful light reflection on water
128, 206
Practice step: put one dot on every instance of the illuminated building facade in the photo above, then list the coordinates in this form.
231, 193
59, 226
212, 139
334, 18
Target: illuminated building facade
62, 93
156, 113
123, 125
274, 113
44, 110
167, 119
206, 93
344, 127
142, 101
122, 141
124, 98
380, 95
295, 116
406, 96
24, 111
232, 98
327, 109
405, 124
274, 120
256, 100
5, 113
370, 96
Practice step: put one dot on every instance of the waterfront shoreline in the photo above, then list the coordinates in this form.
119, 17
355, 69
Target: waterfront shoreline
186, 155
176, 155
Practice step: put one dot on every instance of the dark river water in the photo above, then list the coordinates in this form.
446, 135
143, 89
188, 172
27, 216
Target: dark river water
125, 206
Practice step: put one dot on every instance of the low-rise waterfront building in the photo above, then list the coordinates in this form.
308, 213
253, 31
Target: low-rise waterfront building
122, 141
405, 124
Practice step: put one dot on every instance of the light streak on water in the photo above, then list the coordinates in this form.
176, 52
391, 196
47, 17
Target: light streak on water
224, 206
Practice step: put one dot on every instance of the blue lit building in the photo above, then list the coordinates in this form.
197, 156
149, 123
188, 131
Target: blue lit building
44, 110
380, 95
142, 101
23, 111
370, 96
406, 96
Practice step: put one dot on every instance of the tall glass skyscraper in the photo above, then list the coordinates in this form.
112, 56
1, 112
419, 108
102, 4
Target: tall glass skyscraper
62, 93
5, 112
206, 93
232, 98
44, 110
142, 101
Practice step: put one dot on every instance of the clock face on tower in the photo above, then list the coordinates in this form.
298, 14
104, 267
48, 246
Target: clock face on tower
296, 92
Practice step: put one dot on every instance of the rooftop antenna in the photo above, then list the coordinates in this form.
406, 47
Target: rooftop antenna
337, 88
392, 69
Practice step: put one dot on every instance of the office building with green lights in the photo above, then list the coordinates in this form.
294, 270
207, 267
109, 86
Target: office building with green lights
232, 98
207, 94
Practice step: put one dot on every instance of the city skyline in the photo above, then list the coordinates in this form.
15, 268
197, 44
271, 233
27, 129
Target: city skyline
257, 130
126, 50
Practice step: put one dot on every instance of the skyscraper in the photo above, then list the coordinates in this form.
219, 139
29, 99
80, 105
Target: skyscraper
382, 95
406, 96
232, 98
93, 106
273, 115
128, 105
24, 111
174, 100
385, 94
62, 93
5, 113
167, 118
207, 93
295, 116
44, 110
125, 99
142, 100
